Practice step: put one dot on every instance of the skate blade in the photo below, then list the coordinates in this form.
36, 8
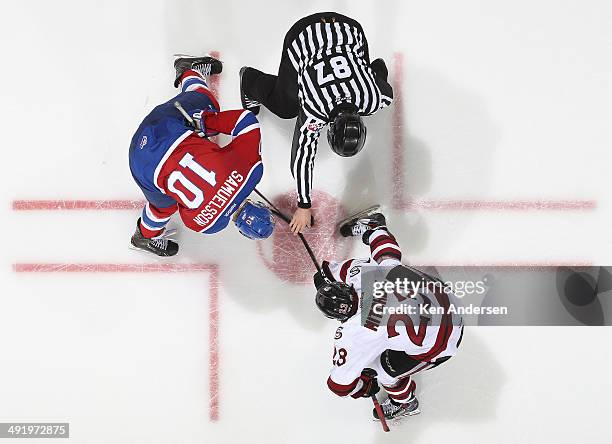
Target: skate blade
150, 254
367, 211
142, 250
190, 56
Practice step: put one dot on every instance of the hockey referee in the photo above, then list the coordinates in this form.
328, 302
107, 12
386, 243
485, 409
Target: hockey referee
325, 77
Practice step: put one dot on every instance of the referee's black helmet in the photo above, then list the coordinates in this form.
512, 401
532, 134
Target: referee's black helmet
346, 133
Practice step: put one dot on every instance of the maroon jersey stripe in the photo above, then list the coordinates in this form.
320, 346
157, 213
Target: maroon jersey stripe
341, 389
446, 328
344, 269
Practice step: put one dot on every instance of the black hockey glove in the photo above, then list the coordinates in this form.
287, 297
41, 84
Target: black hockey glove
370, 384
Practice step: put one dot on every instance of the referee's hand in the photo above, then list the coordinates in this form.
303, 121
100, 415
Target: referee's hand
301, 219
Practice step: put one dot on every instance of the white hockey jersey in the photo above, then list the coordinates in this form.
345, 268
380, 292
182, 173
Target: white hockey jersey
426, 335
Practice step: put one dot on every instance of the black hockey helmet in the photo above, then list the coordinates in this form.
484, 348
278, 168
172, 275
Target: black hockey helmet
346, 133
337, 300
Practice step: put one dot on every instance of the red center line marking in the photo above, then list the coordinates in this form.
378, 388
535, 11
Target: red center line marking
213, 303
400, 201
67, 205
397, 202
130, 204
213, 319
214, 81
506, 205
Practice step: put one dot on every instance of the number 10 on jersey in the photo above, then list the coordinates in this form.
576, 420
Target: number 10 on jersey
177, 176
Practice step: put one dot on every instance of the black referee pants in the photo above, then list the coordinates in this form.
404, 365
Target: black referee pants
279, 93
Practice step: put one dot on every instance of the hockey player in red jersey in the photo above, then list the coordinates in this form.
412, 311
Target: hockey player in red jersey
366, 353
178, 168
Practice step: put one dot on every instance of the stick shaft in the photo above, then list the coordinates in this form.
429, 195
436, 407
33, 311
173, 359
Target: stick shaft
178, 106
380, 414
288, 221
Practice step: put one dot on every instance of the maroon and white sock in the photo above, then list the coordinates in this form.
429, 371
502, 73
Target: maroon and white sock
402, 391
384, 246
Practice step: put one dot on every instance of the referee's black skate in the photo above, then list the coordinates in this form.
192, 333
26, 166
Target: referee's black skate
159, 245
359, 223
392, 409
249, 104
205, 65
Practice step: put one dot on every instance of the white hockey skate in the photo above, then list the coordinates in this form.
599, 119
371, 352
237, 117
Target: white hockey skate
362, 221
395, 410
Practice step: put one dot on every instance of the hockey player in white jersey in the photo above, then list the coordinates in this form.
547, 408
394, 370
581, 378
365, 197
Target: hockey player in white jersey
367, 353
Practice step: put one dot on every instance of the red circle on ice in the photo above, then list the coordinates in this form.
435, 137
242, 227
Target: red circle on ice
286, 255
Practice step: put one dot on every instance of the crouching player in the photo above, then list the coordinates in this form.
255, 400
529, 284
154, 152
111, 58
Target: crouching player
368, 353
179, 169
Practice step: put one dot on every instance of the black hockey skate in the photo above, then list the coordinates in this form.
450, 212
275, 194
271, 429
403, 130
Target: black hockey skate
249, 104
160, 245
360, 222
392, 409
205, 65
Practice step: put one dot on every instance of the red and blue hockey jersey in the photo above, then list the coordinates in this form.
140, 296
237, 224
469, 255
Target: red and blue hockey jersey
178, 169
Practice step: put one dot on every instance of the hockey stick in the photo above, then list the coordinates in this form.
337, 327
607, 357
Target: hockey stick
288, 221
276, 211
380, 413
190, 121
187, 117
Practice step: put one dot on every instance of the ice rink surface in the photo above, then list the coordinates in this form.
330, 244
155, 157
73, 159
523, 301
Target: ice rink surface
496, 151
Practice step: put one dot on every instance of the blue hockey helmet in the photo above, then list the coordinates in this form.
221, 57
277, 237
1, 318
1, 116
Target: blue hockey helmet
254, 220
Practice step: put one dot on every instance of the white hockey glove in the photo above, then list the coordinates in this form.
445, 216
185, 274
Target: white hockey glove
199, 120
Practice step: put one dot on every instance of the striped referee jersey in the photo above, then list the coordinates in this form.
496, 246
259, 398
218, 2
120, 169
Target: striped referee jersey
333, 67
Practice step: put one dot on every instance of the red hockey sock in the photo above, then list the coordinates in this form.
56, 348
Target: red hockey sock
148, 233
203, 89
